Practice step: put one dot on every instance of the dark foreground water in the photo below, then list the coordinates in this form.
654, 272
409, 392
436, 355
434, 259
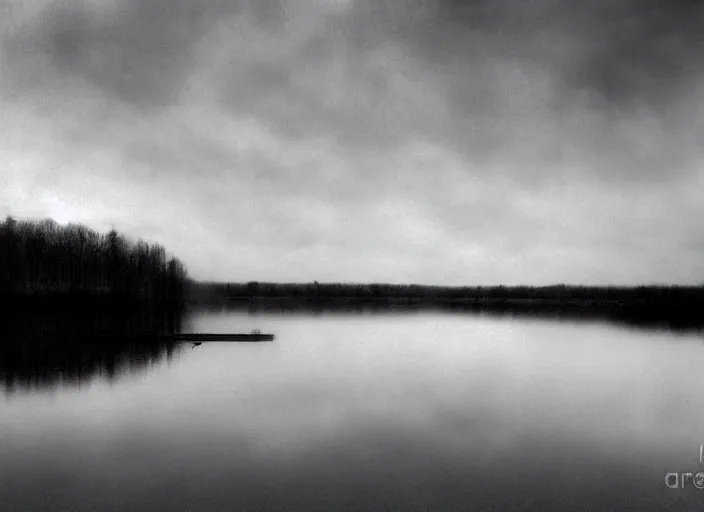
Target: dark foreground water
357, 412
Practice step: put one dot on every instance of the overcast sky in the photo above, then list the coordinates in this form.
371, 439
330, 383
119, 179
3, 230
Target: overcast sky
439, 142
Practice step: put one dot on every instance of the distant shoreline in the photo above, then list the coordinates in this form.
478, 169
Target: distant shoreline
668, 306
557, 294
677, 307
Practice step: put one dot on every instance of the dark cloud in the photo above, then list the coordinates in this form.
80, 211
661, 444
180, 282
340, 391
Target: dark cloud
614, 83
640, 53
136, 50
556, 83
628, 51
435, 141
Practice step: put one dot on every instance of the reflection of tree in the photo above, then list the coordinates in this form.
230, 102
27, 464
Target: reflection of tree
74, 343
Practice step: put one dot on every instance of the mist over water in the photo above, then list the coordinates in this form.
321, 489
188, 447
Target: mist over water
354, 411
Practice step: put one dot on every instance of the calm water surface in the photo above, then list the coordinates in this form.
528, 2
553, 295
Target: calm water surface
365, 412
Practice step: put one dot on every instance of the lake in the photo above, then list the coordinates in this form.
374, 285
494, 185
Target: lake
427, 411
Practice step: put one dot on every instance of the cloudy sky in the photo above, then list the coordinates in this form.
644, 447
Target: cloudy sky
426, 141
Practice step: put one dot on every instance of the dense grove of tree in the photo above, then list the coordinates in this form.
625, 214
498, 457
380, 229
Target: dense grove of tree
44, 258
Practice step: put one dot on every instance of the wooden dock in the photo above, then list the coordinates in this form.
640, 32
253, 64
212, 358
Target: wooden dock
254, 336
203, 337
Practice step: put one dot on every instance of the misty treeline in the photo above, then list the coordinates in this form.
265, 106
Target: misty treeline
42, 258
672, 307
561, 292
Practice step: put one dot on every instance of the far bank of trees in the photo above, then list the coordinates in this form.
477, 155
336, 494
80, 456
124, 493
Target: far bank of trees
380, 292
43, 258
674, 307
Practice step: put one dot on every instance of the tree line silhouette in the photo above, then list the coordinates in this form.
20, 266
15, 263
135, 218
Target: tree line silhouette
233, 291
42, 258
665, 306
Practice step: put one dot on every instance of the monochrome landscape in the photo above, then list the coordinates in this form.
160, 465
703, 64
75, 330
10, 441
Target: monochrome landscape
351, 255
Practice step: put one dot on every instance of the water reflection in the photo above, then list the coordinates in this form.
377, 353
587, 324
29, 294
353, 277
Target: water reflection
372, 412
74, 343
